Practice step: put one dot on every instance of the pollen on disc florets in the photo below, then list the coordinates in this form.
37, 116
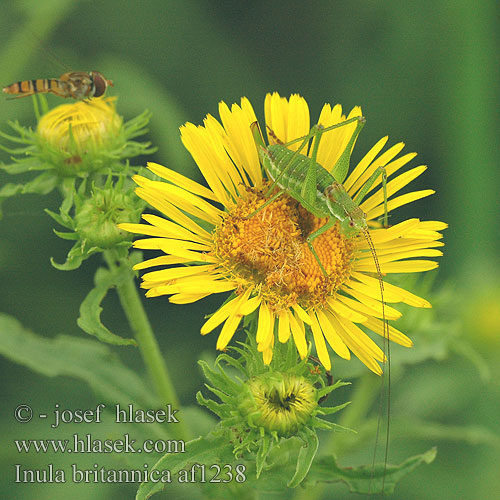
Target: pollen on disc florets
270, 250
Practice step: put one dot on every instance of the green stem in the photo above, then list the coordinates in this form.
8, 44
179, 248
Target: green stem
148, 345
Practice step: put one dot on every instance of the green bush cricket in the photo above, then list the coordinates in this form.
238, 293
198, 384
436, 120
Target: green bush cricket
322, 194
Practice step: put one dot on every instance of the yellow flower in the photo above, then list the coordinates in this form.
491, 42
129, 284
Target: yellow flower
211, 245
88, 124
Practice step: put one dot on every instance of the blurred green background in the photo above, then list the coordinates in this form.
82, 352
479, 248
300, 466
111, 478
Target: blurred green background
424, 72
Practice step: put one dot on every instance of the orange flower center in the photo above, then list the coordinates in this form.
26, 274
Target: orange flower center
269, 249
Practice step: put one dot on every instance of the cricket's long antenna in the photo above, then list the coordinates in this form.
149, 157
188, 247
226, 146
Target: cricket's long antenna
387, 353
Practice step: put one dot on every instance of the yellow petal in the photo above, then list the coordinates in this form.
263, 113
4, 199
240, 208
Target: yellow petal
399, 201
299, 336
198, 142
373, 291
225, 166
398, 255
181, 198
143, 229
365, 342
266, 321
392, 187
178, 250
177, 272
390, 332
176, 230
404, 296
219, 316
364, 164
382, 160
355, 343
190, 288
345, 312
319, 342
164, 260
331, 335
379, 236
392, 167
431, 225
268, 340
251, 304
301, 314
298, 118
406, 244
331, 145
180, 180
184, 298
283, 327
404, 266
239, 141
373, 309
166, 243
227, 332
162, 205
275, 110
232, 322
267, 356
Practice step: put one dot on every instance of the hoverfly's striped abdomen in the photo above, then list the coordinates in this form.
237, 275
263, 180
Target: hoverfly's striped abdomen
40, 85
77, 85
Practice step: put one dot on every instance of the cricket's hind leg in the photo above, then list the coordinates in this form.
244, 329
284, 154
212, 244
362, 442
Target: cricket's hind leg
367, 186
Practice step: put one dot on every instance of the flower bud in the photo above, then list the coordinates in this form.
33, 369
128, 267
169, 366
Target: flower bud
97, 217
81, 136
278, 402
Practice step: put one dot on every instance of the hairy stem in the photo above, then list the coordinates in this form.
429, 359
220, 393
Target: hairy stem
148, 345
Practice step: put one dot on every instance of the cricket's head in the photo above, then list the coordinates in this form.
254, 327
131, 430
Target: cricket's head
340, 204
354, 222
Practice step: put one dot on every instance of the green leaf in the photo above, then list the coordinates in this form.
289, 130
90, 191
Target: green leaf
75, 257
366, 479
62, 219
219, 409
30, 164
66, 236
260, 459
306, 456
211, 449
90, 310
81, 358
42, 184
218, 379
15, 151
26, 135
329, 410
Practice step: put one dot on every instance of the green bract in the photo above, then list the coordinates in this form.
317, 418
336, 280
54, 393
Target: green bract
72, 141
93, 220
270, 403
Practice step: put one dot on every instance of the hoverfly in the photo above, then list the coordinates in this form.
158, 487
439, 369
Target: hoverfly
77, 84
